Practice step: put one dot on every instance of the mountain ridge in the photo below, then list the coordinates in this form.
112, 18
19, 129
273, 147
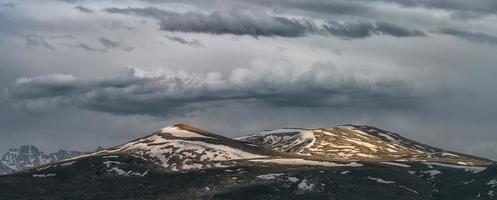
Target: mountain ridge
30, 156
185, 162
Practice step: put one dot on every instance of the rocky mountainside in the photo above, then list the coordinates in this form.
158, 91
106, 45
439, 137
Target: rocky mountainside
184, 162
351, 142
29, 156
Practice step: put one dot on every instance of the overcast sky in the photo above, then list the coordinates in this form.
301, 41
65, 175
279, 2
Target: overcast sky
78, 74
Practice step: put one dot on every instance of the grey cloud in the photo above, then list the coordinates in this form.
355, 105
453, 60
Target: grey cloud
72, 1
259, 23
8, 5
240, 22
476, 6
116, 25
326, 7
355, 30
107, 45
193, 43
84, 9
33, 40
179, 93
87, 47
477, 37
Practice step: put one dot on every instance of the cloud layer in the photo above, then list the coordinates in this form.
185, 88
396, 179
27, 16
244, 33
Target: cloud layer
477, 37
260, 23
240, 22
355, 30
170, 93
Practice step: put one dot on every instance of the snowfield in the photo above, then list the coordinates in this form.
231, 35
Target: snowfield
297, 161
379, 180
269, 176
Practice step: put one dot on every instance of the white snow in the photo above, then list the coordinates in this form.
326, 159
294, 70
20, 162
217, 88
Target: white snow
379, 180
298, 161
474, 169
67, 163
307, 137
364, 144
109, 163
110, 157
305, 185
396, 164
191, 154
121, 172
365, 155
269, 176
492, 183
450, 154
43, 175
177, 132
409, 189
433, 172
388, 137
293, 179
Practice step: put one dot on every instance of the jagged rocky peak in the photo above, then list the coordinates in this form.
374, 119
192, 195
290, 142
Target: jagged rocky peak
354, 142
29, 156
24, 156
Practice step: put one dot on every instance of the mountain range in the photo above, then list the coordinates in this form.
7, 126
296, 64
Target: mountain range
29, 156
347, 162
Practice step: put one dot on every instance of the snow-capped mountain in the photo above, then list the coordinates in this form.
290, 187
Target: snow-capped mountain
182, 147
30, 156
184, 162
351, 142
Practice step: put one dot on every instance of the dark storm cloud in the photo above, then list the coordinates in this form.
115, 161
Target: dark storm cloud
355, 30
193, 43
332, 7
84, 9
174, 93
325, 7
258, 23
477, 37
240, 22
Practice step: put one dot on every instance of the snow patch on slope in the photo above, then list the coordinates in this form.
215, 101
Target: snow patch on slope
379, 180
177, 132
298, 161
177, 154
473, 169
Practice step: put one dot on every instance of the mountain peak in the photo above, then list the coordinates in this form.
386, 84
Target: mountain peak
188, 131
184, 147
28, 156
355, 142
292, 159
